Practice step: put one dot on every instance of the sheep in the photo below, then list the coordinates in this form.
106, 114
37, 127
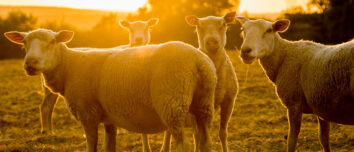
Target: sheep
139, 31
145, 89
211, 33
139, 35
309, 77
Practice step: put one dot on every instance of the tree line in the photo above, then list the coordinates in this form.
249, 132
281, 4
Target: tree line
331, 24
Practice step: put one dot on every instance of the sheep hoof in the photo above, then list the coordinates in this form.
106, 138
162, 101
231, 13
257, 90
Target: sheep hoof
44, 132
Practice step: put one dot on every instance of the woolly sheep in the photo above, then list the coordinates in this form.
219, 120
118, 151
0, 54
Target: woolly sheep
138, 30
211, 33
310, 78
145, 89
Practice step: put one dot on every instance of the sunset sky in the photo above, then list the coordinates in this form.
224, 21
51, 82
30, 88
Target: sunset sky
252, 6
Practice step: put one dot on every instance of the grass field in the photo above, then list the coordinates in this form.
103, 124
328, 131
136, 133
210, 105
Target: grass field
258, 123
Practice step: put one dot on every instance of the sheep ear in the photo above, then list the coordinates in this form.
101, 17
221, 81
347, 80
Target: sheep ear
124, 24
230, 18
242, 19
64, 36
152, 22
15, 37
192, 20
281, 25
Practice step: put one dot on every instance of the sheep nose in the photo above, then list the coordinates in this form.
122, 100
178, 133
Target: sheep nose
139, 40
246, 50
211, 41
31, 61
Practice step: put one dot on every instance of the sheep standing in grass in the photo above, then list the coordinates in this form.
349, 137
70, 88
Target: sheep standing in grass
212, 39
309, 77
145, 89
139, 34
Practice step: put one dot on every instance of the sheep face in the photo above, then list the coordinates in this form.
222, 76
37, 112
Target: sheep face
41, 46
259, 37
139, 33
211, 31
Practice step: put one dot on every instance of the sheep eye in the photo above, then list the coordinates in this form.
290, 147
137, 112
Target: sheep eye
269, 30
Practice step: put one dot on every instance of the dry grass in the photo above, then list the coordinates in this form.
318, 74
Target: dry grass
258, 123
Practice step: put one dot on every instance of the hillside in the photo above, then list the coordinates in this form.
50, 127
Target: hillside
81, 18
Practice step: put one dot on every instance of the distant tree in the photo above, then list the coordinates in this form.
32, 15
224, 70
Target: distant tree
14, 21
339, 21
56, 25
333, 24
294, 10
321, 5
107, 33
18, 20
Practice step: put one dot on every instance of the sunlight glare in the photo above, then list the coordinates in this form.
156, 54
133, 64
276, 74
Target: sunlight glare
115, 5
269, 6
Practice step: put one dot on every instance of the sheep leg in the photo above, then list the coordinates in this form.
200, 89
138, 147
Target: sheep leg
46, 110
181, 141
226, 110
204, 138
146, 145
196, 138
294, 118
324, 127
110, 138
91, 132
166, 142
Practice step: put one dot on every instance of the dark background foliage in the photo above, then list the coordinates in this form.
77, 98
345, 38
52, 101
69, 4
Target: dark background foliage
332, 24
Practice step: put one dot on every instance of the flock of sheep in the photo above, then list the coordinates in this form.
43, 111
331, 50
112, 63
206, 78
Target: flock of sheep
170, 86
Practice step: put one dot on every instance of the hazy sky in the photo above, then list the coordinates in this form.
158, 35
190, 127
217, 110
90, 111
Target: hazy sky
123, 5
253, 6
265, 6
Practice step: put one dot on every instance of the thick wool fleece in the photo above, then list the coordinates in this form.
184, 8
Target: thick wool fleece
144, 89
319, 77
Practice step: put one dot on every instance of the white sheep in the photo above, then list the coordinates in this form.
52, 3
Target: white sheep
139, 31
211, 33
139, 34
310, 78
145, 89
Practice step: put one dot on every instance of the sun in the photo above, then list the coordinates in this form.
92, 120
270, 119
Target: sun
113, 5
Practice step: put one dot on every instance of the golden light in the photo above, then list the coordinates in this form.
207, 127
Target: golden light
269, 6
116, 5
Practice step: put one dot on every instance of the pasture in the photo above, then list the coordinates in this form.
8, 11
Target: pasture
259, 121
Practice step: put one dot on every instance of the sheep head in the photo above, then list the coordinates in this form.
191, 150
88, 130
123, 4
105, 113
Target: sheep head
139, 31
42, 48
259, 36
211, 31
